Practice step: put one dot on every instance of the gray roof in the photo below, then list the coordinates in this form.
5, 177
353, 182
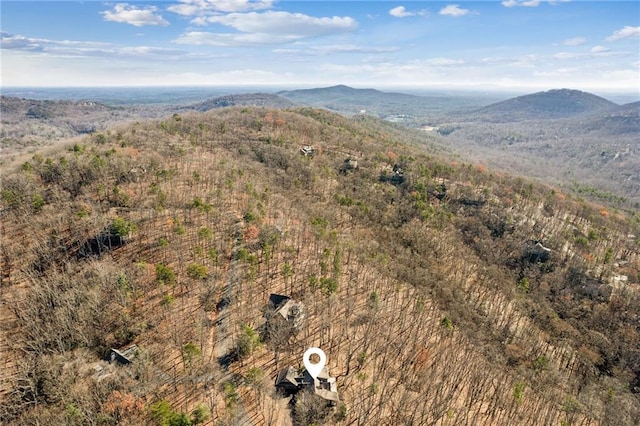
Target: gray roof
324, 385
289, 309
287, 378
123, 356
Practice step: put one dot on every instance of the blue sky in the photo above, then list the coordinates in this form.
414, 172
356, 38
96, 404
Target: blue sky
510, 44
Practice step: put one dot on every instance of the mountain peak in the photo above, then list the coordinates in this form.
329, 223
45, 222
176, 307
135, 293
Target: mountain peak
555, 103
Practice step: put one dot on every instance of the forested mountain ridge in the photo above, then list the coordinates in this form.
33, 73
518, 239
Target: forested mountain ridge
589, 149
348, 100
266, 100
442, 293
556, 103
31, 123
583, 143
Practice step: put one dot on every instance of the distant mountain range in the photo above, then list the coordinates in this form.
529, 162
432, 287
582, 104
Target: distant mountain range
27, 123
412, 108
267, 100
552, 104
617, 120
342, 97
577, 136
561, 136
565, 137
46, 109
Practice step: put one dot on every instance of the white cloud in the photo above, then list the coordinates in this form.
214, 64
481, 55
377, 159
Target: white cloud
204, 38
402, 12
576, 41
24, 68
337, 48
443, 62
267, 28
454, 10
531, 3
626, 32
527, 61
208, 7
78, 49
597, 52
241, 75
127, 14
18, 42
399, 12
525, 3
493, 60
285, 22
566, 55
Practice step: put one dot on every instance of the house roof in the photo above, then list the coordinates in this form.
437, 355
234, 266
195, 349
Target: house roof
124, 356
324, 385
287, 377
287, 308
278, 299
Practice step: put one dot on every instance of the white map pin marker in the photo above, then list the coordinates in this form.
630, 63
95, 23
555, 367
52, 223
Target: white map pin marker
314, 369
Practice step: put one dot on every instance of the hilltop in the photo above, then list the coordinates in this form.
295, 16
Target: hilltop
567, 138
552, 104
248, 99
441, 292
30, 123
619, 120
403, 107
345, 99
589, 150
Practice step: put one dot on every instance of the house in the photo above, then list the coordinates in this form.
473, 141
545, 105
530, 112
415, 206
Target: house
324, 386
290, 381
287, 381
350, 163
123, 356
535, 252
308, 151
396, 178
284, 308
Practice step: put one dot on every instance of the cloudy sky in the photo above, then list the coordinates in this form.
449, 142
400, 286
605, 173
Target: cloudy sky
510, 44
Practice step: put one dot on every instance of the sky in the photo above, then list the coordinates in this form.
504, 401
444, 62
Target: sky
509, 44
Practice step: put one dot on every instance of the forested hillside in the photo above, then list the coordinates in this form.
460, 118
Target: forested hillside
441, 292
248, 99
413, 108
575, 140
558, 103
31, 124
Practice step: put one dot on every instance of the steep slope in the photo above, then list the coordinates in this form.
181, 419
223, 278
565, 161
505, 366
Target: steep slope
441, 293
558, 103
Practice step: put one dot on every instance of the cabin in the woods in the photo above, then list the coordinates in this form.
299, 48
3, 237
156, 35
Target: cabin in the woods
123, 356
290, 381
308, 151
283, 309
535, 252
